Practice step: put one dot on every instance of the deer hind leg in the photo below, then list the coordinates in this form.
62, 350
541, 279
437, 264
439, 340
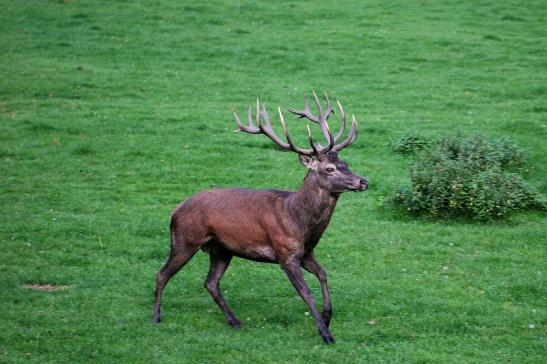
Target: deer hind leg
220, 259
181, 253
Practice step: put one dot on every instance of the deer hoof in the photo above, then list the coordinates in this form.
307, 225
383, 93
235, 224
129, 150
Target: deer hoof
328, 338
235, 324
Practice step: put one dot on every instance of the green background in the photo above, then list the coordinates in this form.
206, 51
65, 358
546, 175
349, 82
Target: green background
112, 112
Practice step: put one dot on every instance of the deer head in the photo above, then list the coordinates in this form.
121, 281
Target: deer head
322, 162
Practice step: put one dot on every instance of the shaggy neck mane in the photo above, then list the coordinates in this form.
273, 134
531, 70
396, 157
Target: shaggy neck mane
312, 206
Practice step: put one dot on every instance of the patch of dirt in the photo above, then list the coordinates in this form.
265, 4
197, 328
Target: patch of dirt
47, 287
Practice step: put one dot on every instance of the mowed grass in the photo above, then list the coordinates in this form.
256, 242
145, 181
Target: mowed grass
112, 112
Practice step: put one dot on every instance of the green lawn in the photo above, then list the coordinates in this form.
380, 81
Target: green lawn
112, 112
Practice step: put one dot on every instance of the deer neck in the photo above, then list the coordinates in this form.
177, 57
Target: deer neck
312, 206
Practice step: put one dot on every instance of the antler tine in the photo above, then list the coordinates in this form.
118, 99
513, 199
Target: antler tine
266, 128
257, 111
285, 131
265, 116
343, 126
306, 113
288, 136
315, 151
351, 136
330, 110
324, 124
319, 108
251, 129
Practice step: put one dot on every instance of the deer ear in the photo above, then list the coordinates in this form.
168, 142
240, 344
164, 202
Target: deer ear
307, 161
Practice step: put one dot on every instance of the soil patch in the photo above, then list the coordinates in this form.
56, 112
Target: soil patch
47, 287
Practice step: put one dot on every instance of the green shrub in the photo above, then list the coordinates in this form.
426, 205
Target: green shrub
410, 144
469, 177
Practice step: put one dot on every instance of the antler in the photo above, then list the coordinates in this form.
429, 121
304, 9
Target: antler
265, 127
352, 132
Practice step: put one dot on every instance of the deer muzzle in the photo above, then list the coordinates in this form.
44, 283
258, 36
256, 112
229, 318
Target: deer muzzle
357, 184
363, 184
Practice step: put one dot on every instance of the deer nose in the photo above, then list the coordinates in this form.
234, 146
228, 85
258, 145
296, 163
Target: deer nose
363, 184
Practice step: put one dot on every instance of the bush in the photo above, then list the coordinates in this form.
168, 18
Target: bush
469, 177
410, 144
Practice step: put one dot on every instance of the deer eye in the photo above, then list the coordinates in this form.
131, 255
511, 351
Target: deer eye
329, 169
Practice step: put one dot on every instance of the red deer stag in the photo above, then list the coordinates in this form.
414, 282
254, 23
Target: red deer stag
268, 225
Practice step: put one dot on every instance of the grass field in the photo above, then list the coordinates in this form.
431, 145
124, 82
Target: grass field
112, 112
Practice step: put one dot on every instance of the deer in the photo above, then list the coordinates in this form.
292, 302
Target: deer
269, 226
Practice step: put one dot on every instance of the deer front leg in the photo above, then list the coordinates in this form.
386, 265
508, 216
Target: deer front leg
311, 265
291, 267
